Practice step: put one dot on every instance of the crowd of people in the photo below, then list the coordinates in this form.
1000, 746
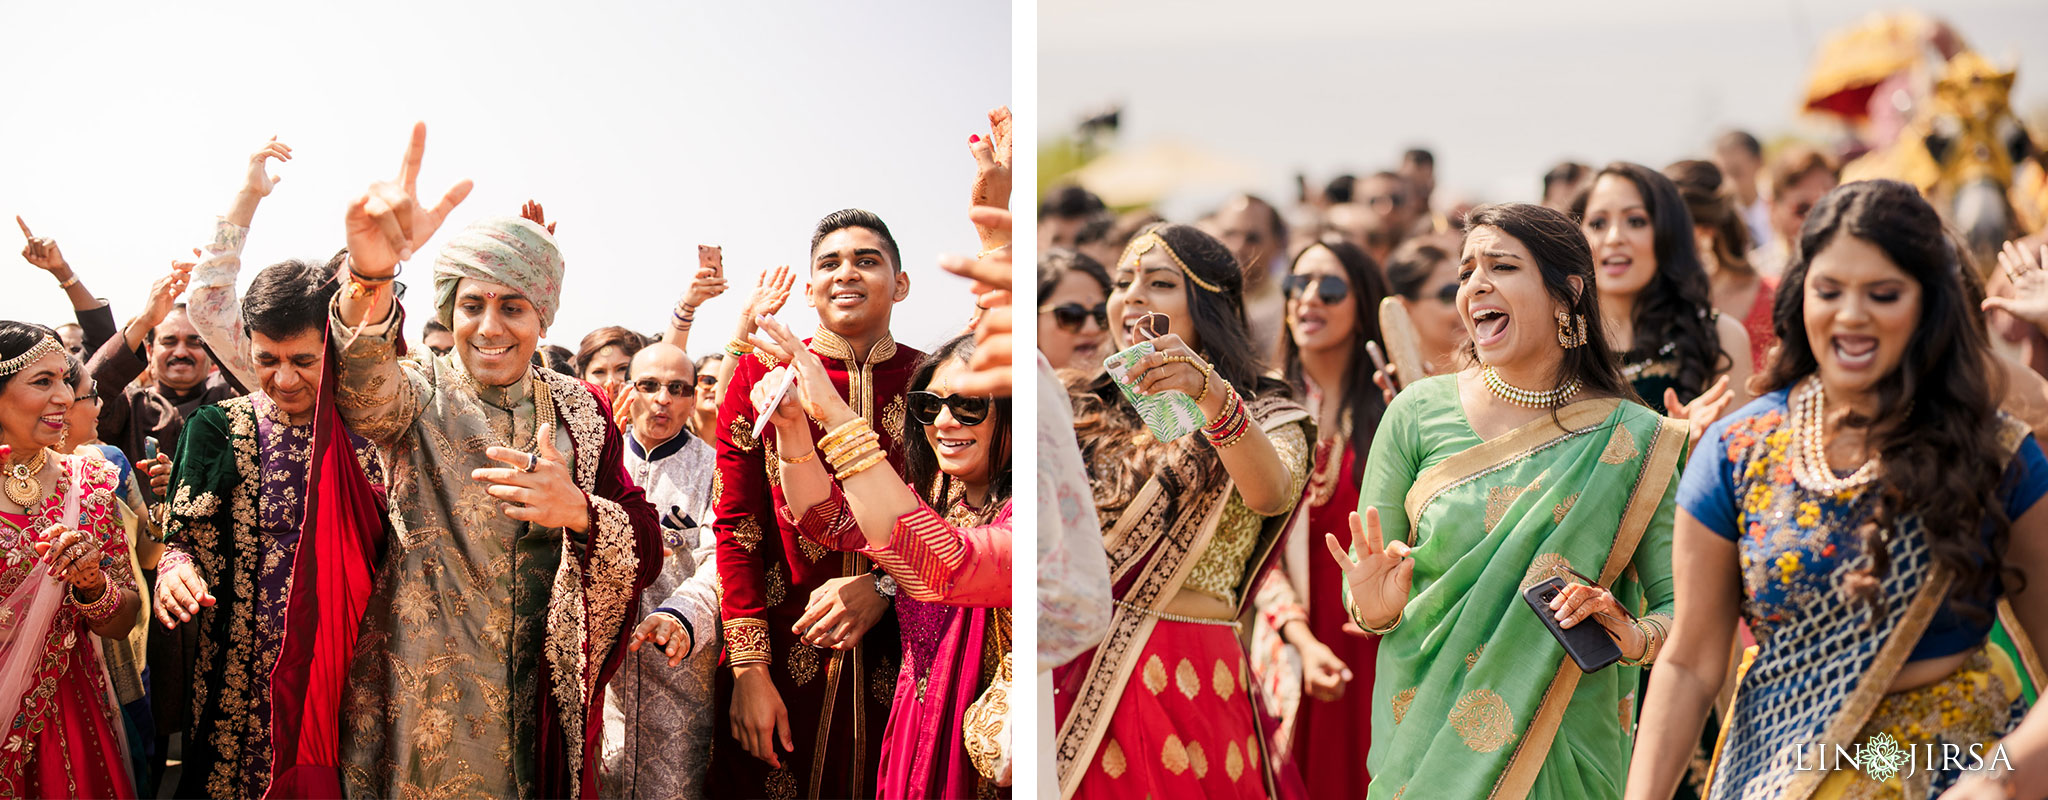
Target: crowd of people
1351, 477
262, 543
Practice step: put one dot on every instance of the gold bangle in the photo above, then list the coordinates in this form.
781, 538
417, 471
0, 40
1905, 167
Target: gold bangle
846, 430
874, 457
739, 346
807, 457
1352, 609
852, 453
838, 453
70, 283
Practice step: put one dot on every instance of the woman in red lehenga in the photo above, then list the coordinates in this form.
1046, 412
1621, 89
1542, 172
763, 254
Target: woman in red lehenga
1316, 680
64, 584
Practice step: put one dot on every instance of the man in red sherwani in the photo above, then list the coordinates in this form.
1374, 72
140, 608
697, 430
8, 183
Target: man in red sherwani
801, 713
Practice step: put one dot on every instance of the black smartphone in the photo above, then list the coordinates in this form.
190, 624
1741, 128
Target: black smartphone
1587, 643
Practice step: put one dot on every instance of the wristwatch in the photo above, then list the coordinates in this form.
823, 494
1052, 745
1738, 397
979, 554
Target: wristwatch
885, 584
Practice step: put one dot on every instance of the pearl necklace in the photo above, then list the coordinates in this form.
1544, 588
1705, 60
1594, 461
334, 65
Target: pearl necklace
1525, 398
1809, 449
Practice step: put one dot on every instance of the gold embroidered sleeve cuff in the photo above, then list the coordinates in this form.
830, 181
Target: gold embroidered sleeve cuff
828, 522
746, 641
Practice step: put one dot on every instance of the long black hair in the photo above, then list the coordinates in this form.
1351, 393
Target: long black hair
1120, 461
1561, 252
921, 464
1361, 397
1938, 403
1677, 307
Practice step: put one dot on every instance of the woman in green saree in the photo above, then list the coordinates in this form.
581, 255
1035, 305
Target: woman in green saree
1478, 488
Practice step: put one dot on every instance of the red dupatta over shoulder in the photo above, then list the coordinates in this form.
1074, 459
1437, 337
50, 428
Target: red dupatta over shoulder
340, 540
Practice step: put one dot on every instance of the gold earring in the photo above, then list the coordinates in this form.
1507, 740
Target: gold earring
1565, 335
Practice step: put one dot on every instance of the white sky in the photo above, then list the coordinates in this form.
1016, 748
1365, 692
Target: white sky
644, 129
1499, 89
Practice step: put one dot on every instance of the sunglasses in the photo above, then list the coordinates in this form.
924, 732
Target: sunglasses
1071, 316
649, 386
707, 380
1447, 294
1329, 288
967, 409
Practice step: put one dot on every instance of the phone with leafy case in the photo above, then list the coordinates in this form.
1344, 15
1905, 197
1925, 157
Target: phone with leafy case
1587, 643
1170, 414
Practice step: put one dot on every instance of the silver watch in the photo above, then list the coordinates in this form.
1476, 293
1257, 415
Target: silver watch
885, 584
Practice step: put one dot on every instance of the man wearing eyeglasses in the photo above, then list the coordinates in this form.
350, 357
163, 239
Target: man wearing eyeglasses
657, 716
802, 712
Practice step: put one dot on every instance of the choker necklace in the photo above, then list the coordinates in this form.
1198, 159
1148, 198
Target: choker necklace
23, 483
1809, 454
1525, 398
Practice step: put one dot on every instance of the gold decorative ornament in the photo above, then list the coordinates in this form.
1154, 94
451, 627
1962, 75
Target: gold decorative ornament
24, 485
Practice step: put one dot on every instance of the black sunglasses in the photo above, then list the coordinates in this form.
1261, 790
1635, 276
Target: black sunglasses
648, 386
707, 379
968, 410
1071, 316
1447, 294
1330, 288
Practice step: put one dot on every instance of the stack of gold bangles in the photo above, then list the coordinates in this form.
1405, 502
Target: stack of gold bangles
852, 447
99, 610
739, 348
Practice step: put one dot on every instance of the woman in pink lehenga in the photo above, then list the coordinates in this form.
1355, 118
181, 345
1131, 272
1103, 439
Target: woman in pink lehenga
943, 537
63, 575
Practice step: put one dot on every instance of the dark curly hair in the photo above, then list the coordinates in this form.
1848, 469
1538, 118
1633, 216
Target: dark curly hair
1677, 307
1561, 252
1938, 404
1359, 392
1112, 436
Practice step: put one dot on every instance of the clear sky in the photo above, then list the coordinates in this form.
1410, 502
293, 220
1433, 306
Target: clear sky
644, 129
1500, 89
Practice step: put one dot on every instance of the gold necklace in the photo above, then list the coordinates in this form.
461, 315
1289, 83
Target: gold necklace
1527, 398
24, 484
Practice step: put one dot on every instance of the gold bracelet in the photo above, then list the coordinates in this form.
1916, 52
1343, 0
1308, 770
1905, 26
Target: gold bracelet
807, 457
739, 346
1352, 609
70, 283
100, 609
874, 457
851, 453
838, 453
846, 430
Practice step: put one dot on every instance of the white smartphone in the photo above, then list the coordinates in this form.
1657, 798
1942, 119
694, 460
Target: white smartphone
774, 400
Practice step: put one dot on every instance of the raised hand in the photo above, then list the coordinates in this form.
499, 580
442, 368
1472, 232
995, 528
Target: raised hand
537, 485
771, 290
260, 181
41, 251
1703, 410
709, 282
2022, 266
992, 179
387, 223
163, 294
1380, 576
532, 211
789, 412
820, 398
989, 369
